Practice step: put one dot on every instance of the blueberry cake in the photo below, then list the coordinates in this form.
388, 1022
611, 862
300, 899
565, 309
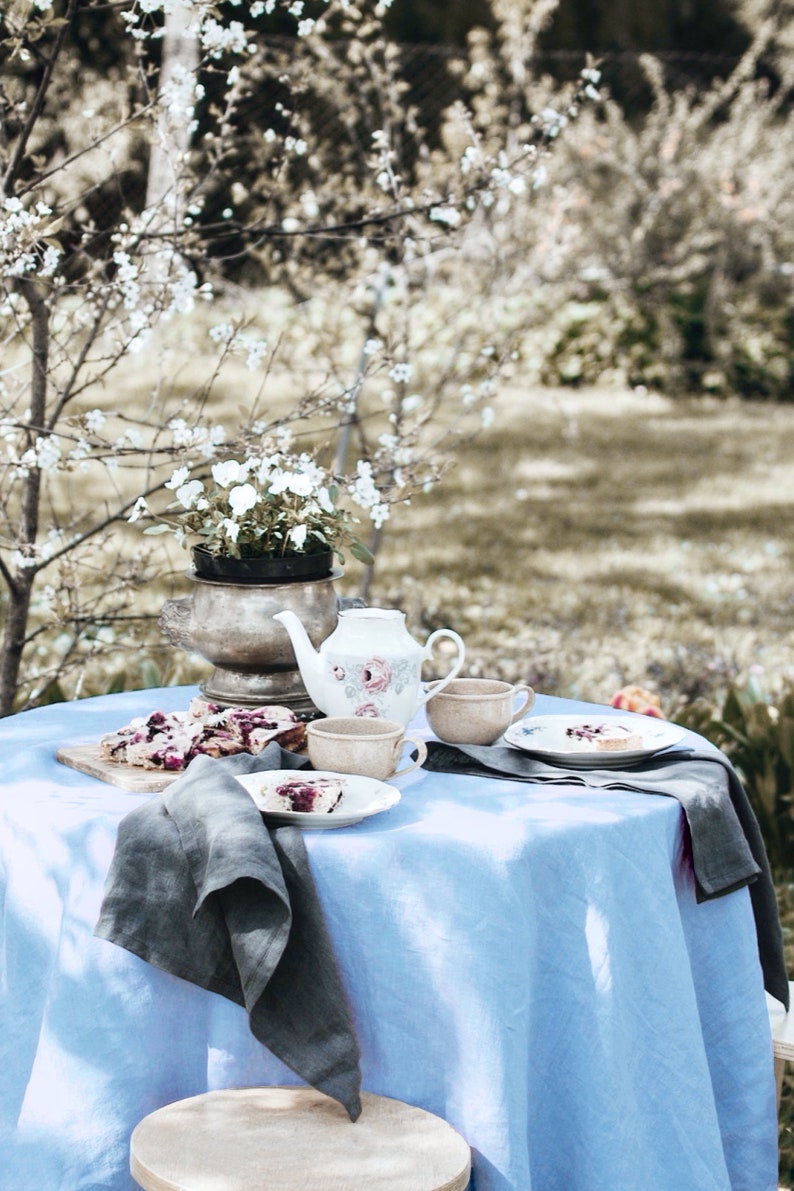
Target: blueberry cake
320, 795
605, 738
169, 740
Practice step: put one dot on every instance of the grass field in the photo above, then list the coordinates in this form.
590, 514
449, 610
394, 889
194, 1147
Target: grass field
594, 539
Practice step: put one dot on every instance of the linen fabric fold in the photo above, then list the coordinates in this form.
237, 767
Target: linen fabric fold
201, 888
727, 847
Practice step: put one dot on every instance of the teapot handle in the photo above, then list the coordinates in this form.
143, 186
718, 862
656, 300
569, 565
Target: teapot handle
435, 687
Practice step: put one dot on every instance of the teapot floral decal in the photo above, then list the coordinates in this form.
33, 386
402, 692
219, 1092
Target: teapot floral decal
369, 685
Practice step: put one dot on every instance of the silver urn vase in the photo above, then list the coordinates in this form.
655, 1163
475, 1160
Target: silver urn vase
231, 625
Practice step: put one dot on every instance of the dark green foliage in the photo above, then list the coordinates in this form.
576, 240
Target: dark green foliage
758, 737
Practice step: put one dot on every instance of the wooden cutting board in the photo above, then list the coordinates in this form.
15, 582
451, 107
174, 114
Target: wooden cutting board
86, 758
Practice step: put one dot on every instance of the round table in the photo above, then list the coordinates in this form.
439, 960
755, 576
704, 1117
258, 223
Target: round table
528, 963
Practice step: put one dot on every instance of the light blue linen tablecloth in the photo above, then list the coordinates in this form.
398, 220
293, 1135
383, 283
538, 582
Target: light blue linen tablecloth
529, 963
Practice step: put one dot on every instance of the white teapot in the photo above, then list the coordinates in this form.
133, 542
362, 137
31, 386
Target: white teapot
370, 665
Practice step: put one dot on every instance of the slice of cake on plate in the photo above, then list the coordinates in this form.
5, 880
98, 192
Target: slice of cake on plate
604, 737
307, 793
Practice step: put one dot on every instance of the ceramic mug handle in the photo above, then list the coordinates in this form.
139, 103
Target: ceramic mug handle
528, 701
434, 687
421, 753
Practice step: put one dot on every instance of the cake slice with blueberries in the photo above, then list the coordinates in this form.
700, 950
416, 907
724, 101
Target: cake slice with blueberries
308, 795
604, 737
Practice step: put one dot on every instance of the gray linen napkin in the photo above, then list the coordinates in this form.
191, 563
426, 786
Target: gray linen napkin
726, 843
199, 887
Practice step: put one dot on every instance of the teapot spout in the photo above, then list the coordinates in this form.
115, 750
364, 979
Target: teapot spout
306, 655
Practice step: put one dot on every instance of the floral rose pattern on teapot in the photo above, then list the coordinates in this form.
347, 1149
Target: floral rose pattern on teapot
366, 681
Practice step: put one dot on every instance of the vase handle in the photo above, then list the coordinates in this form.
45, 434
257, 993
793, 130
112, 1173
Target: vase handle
434, 687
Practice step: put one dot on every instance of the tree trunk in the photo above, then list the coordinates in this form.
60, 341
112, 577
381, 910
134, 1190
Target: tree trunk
171, 140
20, 585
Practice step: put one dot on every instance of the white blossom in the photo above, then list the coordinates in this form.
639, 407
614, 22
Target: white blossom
227, 472
231, 529
364, 492
219, 39
400, 372
242, 499
190, 494
178, 478
448, 215
49, 261
94, 420
21, 562
179, 96
46, 454
139, 509
300, 483
21, 231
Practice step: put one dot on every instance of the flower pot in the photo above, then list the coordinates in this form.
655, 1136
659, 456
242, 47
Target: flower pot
231, 625
290, 567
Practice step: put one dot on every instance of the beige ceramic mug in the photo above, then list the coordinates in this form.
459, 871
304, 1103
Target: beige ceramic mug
354, 744
476, 710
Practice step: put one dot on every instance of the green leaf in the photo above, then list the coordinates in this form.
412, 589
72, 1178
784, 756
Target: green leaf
359, 551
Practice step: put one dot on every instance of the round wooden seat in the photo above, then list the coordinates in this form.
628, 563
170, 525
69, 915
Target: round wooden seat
295, 1139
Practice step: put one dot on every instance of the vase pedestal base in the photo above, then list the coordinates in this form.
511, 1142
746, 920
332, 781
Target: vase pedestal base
233, 688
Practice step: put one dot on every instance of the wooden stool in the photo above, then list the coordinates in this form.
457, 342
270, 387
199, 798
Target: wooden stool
295, 1139
782, 1025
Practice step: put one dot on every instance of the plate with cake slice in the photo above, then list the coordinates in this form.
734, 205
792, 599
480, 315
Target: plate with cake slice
318, 799
593, 741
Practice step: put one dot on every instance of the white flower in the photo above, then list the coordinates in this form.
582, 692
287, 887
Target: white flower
324, 501
297, 536
242, 499
48, 453
227, 472
178, 478
231, 528
218, 39
448, 215
300, 483
379, 514
94, 421
400, 373
138, 509
189, 494
20, 561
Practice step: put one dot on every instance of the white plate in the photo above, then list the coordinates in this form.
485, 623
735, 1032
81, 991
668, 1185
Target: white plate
361, 797
546, 736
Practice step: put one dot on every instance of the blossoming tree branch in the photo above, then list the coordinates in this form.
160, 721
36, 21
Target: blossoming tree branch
142, 188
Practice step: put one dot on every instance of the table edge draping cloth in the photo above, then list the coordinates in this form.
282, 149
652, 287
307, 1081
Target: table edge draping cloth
727, 848
201, 888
